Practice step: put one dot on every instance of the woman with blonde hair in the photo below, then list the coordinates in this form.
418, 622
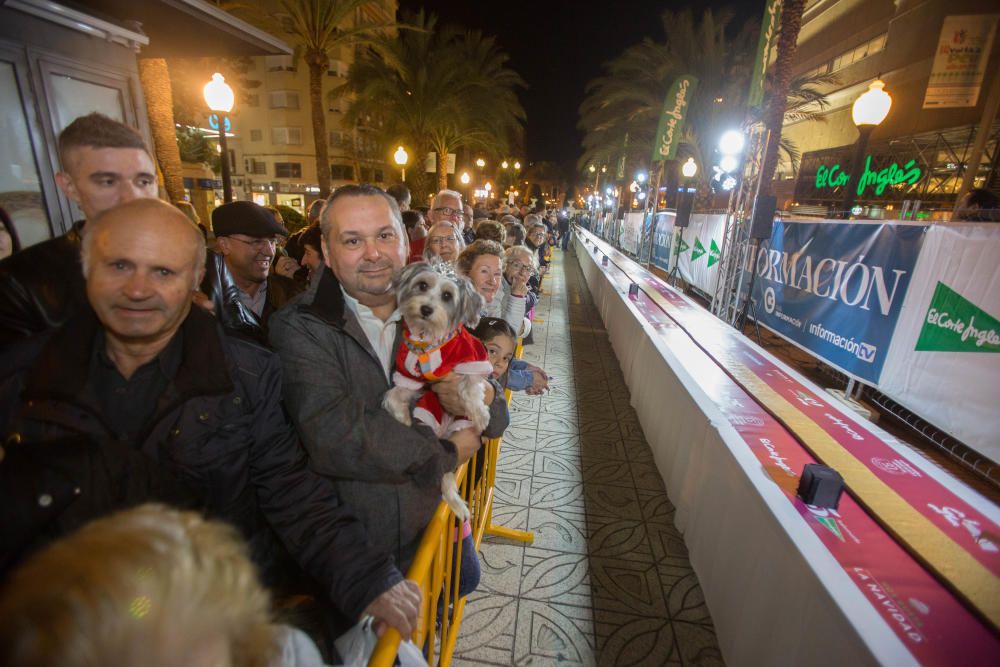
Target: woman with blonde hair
149, 586
482, 263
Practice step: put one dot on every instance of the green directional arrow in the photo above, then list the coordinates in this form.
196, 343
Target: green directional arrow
713, 253
699, 249
682, 247
955, 324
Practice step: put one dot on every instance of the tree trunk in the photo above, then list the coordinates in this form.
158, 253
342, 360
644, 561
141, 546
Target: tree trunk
442, 170
155, 79
791, 22
317, 63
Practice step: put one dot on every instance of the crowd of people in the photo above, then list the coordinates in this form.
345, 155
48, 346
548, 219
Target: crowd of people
180, 400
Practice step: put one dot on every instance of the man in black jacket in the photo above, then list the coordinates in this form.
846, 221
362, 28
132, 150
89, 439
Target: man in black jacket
141, 376
104, 164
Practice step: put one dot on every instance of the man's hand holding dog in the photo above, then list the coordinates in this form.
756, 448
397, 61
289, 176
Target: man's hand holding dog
447, 392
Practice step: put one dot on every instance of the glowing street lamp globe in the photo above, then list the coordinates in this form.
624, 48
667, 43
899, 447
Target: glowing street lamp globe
689, 168
873, 106
504, 164
218, 95
480, 163
400, 156
593, 169
465, 178
517, 165
731, 142
488, 186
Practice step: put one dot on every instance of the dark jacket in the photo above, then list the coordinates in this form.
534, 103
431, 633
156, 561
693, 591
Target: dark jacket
41, 287
334, 383
219, 430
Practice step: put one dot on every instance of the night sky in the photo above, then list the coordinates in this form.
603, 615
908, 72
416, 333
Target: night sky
558, 46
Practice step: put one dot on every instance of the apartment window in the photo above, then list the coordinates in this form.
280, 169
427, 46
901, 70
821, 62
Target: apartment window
336, 106
284, 99
871, 47
254, 166
280, 63
338, 68
338, 139
253, 100
286, 135
342, 172
256, 135
288, 169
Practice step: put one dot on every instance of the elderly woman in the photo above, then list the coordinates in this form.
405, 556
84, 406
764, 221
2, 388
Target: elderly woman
519, 268
482, 263
444, 242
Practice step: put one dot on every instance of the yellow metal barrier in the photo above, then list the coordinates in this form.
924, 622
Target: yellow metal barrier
437, 565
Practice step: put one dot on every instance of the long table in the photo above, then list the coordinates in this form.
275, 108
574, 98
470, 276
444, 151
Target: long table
787, 583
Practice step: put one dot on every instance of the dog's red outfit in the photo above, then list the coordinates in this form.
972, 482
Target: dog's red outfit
418, 364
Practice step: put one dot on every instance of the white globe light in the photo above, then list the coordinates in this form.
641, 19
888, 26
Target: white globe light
609, 191
465, 178
729, 183
872, 107
731, 142
400, 156
641, 195
729, 163
689, 168
641, 177
218, 95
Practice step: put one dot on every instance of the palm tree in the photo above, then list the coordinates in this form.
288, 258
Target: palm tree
318, 28
628, 98
791, 22
155, 79
437, 90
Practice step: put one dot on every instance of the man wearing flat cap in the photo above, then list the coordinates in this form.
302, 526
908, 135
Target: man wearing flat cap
247, 237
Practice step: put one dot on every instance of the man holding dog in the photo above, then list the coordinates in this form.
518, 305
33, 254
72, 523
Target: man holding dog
337, 345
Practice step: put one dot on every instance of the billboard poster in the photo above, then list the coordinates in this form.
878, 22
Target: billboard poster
765, 45
836, 289
663, 232
944, 361
632, 232
960, 61
699, 251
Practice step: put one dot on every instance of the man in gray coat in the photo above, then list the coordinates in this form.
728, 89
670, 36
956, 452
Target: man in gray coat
337, 345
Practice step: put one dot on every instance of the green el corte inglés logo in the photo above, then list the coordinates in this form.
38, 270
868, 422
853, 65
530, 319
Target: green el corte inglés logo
955, 324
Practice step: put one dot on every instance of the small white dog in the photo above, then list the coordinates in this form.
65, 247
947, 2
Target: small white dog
436, 303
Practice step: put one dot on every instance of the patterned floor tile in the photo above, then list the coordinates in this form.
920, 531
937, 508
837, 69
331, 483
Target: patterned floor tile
515, 462
646, 475
557, 494
697, 644
559, 530
685, 599
556, 576
500, 565
559, 466
487, 633
614, 537
510, 490
612, 501
553, 634
561, 423
615, 472
521, 418
634, 641
628, 586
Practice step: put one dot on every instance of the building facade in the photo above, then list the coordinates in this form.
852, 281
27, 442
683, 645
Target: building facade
938, 59
272, 135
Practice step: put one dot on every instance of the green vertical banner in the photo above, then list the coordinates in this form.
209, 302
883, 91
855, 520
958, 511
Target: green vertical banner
621, 162
671, 127
766, 43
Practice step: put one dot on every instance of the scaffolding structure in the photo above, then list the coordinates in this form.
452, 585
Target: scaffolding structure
729, 298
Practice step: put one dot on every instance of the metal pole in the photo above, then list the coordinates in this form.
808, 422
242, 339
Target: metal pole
982, 136
227, 185
402, 172
864, 132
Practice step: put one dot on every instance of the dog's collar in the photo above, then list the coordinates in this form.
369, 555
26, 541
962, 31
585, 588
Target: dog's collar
419, 347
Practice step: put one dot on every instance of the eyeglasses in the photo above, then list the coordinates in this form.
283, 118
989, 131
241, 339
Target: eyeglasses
449, 212
441, 240
517, 266
257, 244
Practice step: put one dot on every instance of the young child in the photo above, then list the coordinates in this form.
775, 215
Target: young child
501, 342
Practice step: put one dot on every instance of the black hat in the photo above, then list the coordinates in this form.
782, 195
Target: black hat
246, 217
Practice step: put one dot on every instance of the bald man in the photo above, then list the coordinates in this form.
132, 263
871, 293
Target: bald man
161, 405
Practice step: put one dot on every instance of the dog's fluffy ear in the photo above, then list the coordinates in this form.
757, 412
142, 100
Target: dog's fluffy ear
470, 303
405, 276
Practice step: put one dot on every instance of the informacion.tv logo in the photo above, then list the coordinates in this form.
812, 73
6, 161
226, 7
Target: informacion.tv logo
866, 352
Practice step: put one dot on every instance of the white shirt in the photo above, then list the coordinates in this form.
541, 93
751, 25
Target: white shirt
257, 301
381, 335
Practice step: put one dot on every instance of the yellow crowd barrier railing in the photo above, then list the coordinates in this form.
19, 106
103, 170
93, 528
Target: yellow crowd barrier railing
437, 565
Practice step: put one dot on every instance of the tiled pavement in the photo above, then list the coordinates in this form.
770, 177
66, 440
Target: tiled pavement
607, 580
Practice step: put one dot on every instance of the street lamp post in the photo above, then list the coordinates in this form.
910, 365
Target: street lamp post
220, 99
868, 112
465, 178
401, 156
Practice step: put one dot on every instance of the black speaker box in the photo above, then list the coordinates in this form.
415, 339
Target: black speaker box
684, 205
820, 486
762, 221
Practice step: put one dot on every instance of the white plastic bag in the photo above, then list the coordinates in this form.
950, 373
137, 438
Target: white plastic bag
357, 645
